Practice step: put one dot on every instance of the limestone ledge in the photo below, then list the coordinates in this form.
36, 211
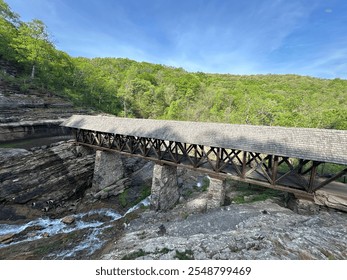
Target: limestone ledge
29, 129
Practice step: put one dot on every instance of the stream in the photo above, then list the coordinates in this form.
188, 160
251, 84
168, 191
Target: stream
93, 223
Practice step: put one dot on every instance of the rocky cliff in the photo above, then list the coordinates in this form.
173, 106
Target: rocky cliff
31, 113
50, 180
27, 111
33, 182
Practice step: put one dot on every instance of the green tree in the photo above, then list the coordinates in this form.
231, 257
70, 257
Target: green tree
33, 44
9, 22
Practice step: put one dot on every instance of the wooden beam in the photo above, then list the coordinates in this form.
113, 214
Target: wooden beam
244, 162
274, 170
309, 169
333, 178
312, 176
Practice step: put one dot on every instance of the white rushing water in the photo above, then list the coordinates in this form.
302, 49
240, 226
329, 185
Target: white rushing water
145, 202
36, 229
93, 242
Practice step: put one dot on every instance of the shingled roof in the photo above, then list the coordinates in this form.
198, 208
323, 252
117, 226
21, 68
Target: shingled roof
327, 145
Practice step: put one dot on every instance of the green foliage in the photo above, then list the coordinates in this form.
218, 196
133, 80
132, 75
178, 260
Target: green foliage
185, 215
163, 251
144, 192
134, 255
254, 193
140, 253
32, 45
203, 188
186, 255
8, 23
205, 184
138, 89
123, 198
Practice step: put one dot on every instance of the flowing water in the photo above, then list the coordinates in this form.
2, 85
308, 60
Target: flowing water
94, 221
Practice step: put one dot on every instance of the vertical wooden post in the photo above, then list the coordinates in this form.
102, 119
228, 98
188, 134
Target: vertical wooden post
176, 153
312, 176
145, 147
195, 155
270, 159
244, 161
218, 161
300, 166
74, 131
274, 170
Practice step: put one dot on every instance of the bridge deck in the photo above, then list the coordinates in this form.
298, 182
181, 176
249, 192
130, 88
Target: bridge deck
326, 145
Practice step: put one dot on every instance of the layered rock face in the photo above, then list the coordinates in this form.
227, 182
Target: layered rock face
31, 113
32, 129
30, 104
52, 178
44, 178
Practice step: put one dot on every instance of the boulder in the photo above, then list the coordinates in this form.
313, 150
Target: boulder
197, 205
68, 220
333, 197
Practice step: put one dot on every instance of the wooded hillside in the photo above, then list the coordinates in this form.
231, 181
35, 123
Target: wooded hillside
138, 89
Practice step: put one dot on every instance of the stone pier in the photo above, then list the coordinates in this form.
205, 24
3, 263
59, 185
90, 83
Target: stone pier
216, 193
164, 193
108, 176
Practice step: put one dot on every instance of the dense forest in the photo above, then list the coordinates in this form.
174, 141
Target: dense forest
128, 88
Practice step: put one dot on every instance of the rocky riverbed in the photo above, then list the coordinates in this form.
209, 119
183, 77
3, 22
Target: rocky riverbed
46, 207
259, 230
76, 236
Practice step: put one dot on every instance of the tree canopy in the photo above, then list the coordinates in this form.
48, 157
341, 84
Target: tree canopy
128, 88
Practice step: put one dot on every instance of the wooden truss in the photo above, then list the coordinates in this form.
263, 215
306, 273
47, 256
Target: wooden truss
274, 171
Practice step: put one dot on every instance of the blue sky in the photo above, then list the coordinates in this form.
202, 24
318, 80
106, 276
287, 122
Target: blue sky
305, 37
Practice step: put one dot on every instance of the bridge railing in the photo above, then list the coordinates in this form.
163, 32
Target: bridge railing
274, 171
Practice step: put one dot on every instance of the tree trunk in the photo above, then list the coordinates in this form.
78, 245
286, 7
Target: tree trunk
32, 72
125, 108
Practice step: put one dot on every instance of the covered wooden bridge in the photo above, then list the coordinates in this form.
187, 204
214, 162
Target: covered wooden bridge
288, 159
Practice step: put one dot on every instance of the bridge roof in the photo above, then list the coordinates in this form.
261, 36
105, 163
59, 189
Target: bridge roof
327, 145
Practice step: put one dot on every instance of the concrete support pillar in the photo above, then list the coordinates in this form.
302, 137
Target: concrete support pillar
164, 193
216, 193
108, 174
